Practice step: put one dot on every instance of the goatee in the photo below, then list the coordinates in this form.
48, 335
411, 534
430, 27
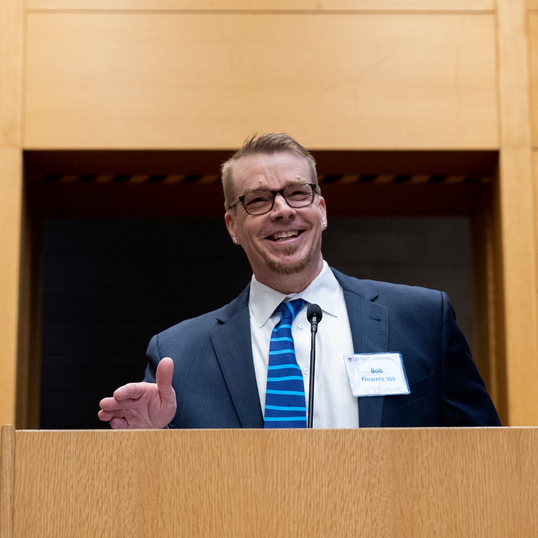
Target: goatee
283, 269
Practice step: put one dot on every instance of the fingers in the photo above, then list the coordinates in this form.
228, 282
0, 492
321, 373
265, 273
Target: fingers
105, 415
107, 404
163, 376
119, 424
132, 391
116, 406
115, 418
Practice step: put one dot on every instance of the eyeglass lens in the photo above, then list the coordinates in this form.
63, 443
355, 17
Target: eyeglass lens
259, 202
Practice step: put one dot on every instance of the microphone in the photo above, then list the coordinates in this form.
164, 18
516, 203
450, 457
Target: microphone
314, 315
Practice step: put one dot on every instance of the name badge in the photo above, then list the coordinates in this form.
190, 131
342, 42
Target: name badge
376, 374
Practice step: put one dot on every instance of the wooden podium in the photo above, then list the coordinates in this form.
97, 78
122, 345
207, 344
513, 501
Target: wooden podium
252, 483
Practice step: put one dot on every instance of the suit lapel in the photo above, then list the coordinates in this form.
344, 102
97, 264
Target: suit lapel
369, 330
233, 348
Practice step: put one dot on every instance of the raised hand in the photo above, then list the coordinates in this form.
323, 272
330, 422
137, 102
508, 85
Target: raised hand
142, 405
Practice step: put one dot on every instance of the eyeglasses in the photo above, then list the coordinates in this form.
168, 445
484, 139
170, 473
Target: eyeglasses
261, 202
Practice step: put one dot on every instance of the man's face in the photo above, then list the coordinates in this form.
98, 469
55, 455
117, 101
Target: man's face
284, 245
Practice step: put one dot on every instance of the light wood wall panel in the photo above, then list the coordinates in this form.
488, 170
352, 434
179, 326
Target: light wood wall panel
10, 218
11, 67
517, 215
197, 80
533, 48
532, 29
271, 5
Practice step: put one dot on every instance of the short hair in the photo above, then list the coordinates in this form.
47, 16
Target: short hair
264, 144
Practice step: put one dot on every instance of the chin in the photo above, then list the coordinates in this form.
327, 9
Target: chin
287, 269
290, 268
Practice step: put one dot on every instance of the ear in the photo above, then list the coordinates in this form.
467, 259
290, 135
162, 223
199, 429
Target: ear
230, 225
323, 209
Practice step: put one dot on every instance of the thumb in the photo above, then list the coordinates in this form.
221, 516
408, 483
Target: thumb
163, 376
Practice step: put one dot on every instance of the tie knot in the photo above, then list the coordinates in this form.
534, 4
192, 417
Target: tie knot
288, 310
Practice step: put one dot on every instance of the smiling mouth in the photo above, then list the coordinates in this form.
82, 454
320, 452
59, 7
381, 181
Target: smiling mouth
284, 236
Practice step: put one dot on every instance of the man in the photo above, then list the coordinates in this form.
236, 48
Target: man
219, 370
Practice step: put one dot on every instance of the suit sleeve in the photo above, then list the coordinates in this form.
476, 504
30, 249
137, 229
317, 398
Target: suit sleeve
465, 401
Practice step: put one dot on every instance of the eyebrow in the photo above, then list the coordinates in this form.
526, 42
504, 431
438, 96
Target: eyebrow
288, 184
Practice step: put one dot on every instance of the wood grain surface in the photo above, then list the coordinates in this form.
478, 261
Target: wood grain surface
265, 5
206, 80
517, 190
7, 480
234, 483
10, 239
11, 68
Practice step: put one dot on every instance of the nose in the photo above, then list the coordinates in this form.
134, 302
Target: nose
281, 207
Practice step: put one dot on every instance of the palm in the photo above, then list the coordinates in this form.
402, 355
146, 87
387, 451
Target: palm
149, 410
143, 405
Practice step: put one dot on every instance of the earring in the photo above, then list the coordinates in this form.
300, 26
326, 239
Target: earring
235, 240
324, 224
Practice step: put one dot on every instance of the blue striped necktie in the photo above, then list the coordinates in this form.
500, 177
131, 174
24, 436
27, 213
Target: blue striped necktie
285, 404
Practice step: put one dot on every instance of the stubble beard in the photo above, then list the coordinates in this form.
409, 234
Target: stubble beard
286, 269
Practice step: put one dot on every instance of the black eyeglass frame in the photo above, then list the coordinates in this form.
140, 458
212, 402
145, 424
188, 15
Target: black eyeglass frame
313, 186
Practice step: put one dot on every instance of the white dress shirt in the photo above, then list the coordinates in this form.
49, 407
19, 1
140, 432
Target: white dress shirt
334, 405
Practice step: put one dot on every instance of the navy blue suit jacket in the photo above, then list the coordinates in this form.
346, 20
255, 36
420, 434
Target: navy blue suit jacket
214, 375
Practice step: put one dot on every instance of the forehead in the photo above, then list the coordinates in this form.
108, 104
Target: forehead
262, 171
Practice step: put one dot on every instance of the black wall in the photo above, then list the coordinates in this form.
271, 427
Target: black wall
109, 285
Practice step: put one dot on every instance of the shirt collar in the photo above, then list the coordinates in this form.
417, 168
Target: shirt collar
324, 290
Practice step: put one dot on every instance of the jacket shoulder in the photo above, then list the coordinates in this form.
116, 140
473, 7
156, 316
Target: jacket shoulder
205, 323
388, 293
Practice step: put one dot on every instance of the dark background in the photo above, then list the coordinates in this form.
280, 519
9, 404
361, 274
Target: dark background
110, 284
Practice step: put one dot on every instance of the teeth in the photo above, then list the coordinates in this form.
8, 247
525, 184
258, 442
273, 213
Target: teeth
284, 235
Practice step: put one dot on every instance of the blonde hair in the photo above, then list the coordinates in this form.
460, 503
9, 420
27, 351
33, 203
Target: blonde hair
265, 143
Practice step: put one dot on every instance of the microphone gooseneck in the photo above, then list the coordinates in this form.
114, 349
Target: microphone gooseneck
314, 315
